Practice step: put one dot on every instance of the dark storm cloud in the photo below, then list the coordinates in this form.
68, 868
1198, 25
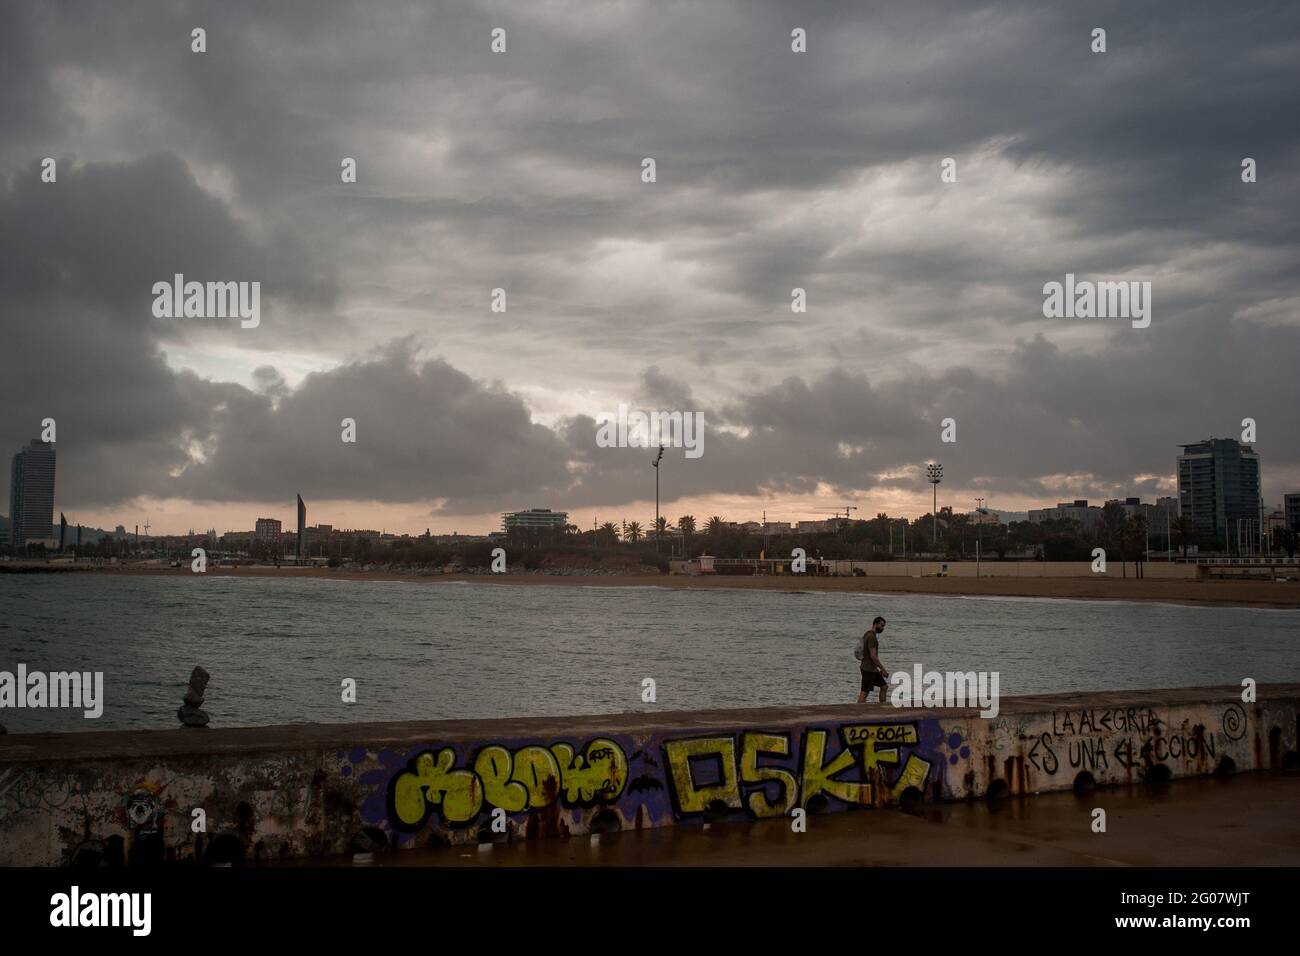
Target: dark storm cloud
78, 260
1109, 416
423, 431
30, 110
103, 234
776, 170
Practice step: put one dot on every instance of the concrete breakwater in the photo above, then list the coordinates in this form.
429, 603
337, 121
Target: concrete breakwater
270, 793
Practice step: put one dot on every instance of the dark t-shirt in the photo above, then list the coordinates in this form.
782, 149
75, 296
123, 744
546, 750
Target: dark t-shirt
870, 646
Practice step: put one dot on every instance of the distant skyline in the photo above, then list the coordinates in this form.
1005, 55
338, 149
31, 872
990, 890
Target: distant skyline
522, 171
244, 520
341, 513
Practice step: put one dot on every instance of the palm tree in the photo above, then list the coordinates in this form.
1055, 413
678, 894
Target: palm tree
609, 531
633, 531
715, 525
686, 525
1185, 529
1136, 531
1287, 540
957, 526
661, 526
1112, 524
1131, 535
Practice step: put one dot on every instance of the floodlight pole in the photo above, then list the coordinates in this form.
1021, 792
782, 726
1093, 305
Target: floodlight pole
934, 475
655, 463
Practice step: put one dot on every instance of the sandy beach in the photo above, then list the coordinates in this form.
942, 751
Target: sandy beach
1263, 594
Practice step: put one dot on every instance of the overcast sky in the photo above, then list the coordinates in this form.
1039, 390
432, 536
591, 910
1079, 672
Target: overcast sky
522, 170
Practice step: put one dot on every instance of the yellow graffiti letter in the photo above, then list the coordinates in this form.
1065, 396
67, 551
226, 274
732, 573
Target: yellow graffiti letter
693, 799
434, 783
914, 773
753, 744
537, 771
494, 767
599, 774
819, 776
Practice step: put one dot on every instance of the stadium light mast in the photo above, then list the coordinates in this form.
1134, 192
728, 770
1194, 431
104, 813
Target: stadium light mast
934, 475
655, 463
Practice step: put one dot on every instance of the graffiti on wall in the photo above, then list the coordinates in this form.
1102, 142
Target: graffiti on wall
1133, 720
744, 772
665, 777
1124, 739
755, 773
1007, 731
141, 809
1234, 722
25, 789
142, 812
528, 778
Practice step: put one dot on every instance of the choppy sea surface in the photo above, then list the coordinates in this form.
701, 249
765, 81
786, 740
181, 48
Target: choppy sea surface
278, 650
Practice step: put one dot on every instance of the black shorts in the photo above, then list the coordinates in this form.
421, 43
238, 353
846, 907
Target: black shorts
872, 680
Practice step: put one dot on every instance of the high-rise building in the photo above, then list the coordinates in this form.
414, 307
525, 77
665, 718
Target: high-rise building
1088, 516
1274, 520
1292, 509
31, 494
1161, 518
1219, 487
268, 529
817, 526
534, 519
302, 529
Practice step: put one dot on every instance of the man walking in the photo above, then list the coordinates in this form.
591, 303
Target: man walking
873, 672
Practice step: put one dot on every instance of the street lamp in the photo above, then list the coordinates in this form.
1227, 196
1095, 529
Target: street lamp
658, 458
934, 475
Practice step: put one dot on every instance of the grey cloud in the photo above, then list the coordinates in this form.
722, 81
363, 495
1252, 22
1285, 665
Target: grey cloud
424, 431
521, 171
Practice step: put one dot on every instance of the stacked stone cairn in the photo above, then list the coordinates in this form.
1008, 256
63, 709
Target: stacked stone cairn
190, 713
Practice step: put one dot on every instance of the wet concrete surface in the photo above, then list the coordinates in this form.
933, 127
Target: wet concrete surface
219, 741
1247, 820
